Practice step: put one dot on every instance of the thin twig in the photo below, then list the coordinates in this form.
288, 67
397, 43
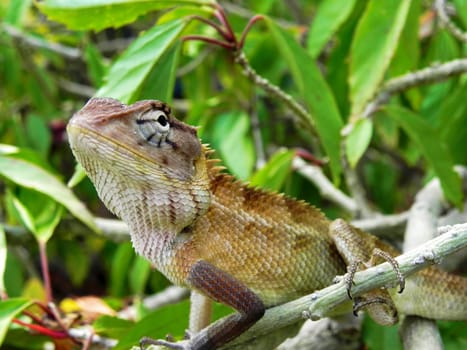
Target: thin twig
440, 6
354, 184
65, 51
423, 76
170, 295
326, 188
84, 333
274, 90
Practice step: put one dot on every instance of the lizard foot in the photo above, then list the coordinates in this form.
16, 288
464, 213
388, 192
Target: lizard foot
380, 307
353, 268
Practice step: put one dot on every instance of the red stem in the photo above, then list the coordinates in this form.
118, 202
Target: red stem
303, 153
221, 31
227, 45
43, 330
45, 270
250, 24
32, 317
220, 15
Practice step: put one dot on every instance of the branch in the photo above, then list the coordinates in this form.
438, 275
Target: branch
440, 7
65, 51
417, 332
303, 116
423, 76
320, 303
170, 295
324, 185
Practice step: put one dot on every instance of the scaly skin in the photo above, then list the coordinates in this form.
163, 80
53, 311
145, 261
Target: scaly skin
245, 247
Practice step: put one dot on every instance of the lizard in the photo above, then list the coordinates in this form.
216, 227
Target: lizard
245, 247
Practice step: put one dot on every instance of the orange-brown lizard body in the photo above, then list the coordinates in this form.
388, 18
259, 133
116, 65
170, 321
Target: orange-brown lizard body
242, 246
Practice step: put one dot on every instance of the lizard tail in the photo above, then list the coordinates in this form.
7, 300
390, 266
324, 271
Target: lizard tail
433, 293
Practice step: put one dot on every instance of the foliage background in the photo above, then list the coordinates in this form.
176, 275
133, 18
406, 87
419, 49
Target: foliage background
333, 57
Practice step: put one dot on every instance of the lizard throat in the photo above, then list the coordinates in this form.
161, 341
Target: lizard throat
155, 208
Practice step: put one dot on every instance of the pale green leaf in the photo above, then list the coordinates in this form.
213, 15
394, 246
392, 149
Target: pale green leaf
358, 140
329, 17
315, 92
275, 171
171, 319
433, 149
40, 218
100, 14
373, 46
232, 138
139, 274
8, 310
78, 175
3, 253
160, 82
112, 326
23, 213
31, 176
128, 73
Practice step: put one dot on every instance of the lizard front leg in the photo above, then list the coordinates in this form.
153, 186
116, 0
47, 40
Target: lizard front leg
357, 250
224, 288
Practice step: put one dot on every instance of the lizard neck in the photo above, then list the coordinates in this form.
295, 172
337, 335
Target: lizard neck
156, 209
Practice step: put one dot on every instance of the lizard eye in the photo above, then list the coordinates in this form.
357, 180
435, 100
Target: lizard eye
153, 126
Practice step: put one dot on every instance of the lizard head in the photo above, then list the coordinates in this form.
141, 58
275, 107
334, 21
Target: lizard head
145, 164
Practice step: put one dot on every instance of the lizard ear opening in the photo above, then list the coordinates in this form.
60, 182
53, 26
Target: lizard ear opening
153, 126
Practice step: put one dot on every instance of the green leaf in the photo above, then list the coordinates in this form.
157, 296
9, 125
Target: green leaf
38, 134
43, 223
121, 263
128, 73
452, 119
373, 46
381, 338
3, 255
78, 175
23, 212
231, 137
315, 92
358, 140
160, 82
461, 10
100, 14
97, 67
16, 11
329, 17
77, 261
29, 175
407, 55
139, 274
8, 310
433, 148
275, 171
113, 327
170, 319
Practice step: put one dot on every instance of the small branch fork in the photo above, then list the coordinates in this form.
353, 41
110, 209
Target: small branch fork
440, 7
224, 29
234, 44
